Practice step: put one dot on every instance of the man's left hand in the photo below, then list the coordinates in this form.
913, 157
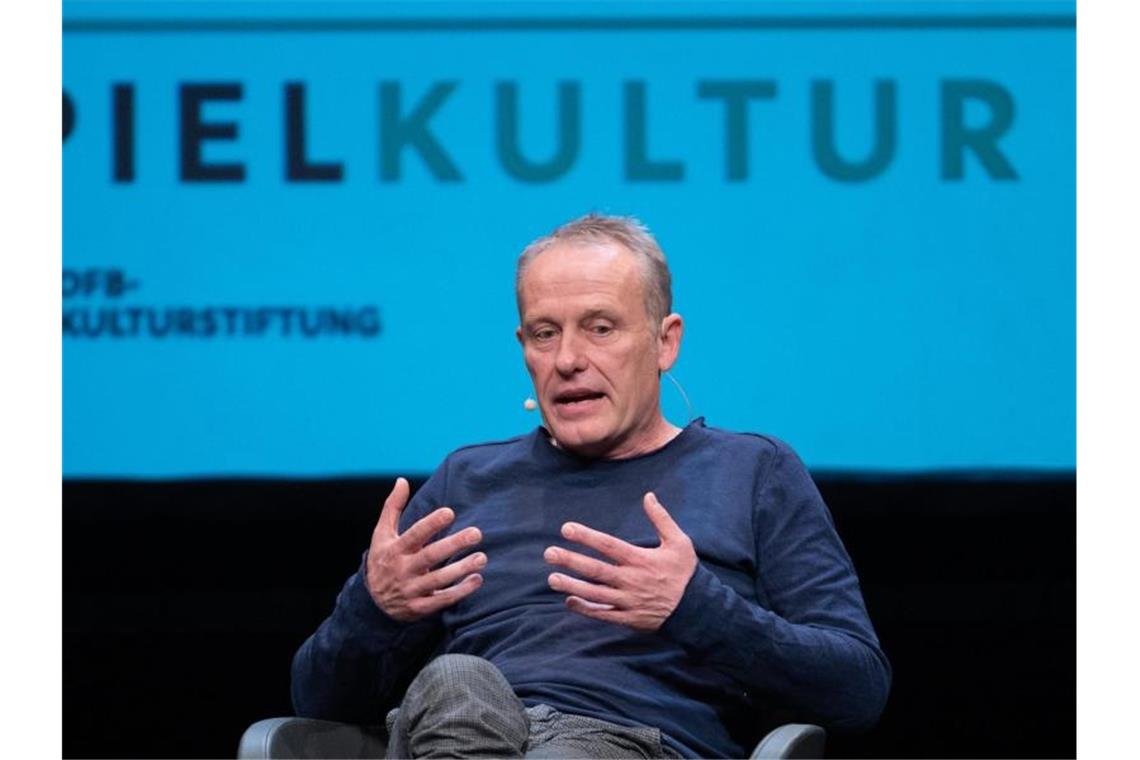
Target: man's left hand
640, 587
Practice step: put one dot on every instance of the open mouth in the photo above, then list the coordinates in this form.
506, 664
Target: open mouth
572, 399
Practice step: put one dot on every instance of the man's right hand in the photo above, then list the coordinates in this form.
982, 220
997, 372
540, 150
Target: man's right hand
399, 567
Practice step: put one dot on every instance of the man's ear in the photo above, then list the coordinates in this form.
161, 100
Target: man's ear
518, 334
669, 341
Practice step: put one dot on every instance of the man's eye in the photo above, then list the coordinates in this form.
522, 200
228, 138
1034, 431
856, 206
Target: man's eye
602, 329
543, 334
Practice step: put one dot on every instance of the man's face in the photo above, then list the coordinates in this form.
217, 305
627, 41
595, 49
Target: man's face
592, 351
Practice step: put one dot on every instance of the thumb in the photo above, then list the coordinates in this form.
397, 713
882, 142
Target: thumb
663, 523
394, 507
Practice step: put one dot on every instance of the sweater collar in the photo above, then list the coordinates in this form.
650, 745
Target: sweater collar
545, 450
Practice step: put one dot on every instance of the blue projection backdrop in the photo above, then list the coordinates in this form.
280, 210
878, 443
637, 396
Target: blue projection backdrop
290, 228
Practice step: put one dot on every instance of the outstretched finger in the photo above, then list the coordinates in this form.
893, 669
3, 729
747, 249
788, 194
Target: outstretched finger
445, 597
590, 592
582, 565
597, 611
438, 551
414, 538
611, 547
666, 527
449, 574
394, 507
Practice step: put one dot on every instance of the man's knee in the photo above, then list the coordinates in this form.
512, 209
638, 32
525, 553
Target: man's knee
459, 706
460, 684
463, 673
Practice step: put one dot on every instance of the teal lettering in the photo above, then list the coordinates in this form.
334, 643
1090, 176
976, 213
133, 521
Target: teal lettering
736, 94
638, 165
507, 133
957, 137
823, 133
396, 132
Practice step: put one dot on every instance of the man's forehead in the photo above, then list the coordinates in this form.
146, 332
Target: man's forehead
573, 277
601, 263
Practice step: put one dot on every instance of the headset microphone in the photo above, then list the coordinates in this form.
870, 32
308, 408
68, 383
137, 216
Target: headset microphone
530, 405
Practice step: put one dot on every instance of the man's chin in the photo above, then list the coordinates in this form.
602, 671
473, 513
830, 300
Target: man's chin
578, 441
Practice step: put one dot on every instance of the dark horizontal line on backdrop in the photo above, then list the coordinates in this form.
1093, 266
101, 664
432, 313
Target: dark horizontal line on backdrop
951, 475
588, 24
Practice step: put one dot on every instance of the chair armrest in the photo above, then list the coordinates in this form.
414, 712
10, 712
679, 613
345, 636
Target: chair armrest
281, 738
793, 740
288, 738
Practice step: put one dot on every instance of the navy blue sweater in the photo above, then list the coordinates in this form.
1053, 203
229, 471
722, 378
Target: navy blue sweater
771, 624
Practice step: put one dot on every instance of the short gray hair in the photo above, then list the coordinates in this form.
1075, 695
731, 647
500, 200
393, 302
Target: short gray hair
627, 232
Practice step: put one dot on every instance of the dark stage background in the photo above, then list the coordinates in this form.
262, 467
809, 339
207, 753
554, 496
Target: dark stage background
183, 602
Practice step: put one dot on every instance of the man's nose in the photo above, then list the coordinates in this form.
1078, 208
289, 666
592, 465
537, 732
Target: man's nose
571, 357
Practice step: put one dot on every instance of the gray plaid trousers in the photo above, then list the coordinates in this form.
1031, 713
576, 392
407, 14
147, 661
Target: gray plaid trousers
461, 706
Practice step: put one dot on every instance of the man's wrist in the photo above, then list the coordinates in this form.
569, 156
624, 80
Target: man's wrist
687, 623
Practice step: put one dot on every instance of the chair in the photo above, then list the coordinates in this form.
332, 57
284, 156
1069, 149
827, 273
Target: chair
282, 738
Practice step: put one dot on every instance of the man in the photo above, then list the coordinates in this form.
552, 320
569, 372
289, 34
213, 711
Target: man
610, 584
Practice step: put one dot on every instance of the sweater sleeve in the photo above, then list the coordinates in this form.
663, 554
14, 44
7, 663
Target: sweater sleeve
813, 649
360, 660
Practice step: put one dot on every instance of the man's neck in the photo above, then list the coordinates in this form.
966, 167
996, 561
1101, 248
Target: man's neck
659, 437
